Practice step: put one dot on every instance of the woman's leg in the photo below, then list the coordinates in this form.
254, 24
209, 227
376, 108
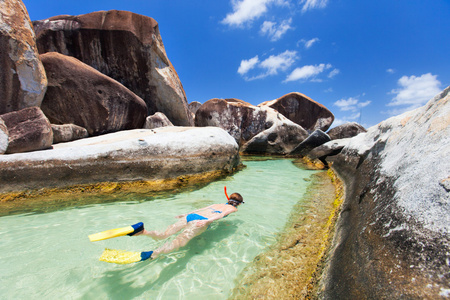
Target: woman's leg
191, 231
172, 229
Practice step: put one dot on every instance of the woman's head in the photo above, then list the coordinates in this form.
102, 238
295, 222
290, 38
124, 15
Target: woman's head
236, 199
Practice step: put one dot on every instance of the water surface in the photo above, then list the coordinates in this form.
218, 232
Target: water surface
48, 255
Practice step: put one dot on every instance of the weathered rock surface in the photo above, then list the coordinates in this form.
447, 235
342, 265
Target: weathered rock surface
193, 107
392, 237
3, 137
346, 130
28, 129
139, 154
78, 94
330, 148
68, 132
303, 111
315, 139
255, 129
124, 46
157, 120
22, 77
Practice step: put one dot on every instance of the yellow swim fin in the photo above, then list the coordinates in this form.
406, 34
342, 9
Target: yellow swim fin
112, 233
124, 257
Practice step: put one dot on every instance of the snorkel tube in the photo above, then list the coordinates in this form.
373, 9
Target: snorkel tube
225, 190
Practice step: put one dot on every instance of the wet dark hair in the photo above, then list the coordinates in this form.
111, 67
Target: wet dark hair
236, 199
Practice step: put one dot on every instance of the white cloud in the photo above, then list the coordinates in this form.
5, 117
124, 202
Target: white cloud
247, 65
311, 4
272, 65
309, 43
279, 62
306, 72
245, 11
351, 104
390, 71
333, 73
275, 32
415, 91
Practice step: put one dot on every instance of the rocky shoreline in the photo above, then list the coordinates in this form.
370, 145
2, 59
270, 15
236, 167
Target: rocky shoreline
134, 155
392, 237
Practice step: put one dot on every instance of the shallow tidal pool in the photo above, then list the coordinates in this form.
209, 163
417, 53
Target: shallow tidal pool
49, 256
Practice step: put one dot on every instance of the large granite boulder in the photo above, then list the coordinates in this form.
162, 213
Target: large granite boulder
78, 94
346, 130
22, 77
330, 148
392, 237
315, 139
132, 155
193, 107
28, 129
255, 129
68, 133
124, 46
303, 111
3, 137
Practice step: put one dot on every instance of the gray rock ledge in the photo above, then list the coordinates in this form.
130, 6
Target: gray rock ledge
140, 154
392, 238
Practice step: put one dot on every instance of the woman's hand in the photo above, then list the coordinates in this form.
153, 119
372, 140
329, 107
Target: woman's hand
180, 216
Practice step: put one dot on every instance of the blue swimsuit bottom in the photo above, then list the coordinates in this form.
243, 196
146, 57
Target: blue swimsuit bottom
194, 217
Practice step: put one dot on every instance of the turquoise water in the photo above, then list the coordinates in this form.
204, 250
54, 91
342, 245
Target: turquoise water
49, 256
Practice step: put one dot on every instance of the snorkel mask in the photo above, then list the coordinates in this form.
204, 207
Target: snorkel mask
231, 200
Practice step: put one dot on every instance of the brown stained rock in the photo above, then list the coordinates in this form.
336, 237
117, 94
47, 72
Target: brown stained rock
124, 46
346, 130
22, 76
157, 120
193, 107
78, 94
68, 132
302, 110
29, 130
255, 129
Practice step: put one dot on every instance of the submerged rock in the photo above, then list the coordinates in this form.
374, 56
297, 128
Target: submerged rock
393, 236
125, 46
22, 77
133, 155
78, 94
255, 129
28, 130
303, 111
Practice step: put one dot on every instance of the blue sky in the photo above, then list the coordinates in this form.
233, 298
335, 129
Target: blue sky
364, 60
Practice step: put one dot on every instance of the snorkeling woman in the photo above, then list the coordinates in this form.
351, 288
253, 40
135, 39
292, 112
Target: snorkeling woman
192, 224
